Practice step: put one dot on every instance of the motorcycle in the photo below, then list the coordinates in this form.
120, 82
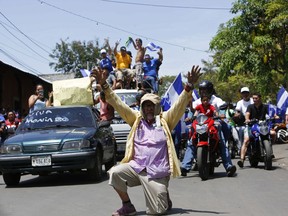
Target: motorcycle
281, 132
231, 143
206, 139
260, 143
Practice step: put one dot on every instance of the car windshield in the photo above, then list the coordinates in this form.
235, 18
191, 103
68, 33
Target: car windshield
58, 117
128, 98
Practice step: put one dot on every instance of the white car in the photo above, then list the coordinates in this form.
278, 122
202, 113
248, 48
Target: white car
120, 127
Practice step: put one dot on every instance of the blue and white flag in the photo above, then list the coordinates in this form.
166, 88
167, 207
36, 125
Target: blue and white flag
85, 73
170, 96
152, 47
272, 110
195, 95
282, 100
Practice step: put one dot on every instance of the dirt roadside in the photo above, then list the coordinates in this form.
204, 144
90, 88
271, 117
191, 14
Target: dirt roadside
281, 155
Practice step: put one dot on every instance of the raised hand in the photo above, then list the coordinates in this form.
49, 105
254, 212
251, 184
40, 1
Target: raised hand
99, 75
194, 74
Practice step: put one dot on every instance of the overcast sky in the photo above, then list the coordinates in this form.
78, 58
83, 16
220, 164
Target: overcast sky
183, 28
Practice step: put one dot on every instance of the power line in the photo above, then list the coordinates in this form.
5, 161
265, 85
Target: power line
119, 29
24, 33
24, 42
39, 42
167, 6
21, 52
20, 63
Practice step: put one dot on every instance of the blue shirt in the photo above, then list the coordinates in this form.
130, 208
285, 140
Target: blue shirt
106, 63
150, 69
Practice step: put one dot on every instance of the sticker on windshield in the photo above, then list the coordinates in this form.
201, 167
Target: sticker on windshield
61, 119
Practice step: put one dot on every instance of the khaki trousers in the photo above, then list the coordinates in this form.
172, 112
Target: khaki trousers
155, 190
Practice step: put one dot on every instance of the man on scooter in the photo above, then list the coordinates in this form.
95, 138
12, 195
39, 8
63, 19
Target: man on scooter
239, 117
206, 88
258, 111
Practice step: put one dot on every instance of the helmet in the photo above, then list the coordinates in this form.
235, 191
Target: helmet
208, 86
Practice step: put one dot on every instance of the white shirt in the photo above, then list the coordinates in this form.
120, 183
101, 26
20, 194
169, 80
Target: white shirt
242, 105
215, 101
286, 111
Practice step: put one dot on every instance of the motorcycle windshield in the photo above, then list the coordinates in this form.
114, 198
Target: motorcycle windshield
201, 118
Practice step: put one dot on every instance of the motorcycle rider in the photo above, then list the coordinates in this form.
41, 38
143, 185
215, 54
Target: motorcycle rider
239, 116
206, 88
258, 111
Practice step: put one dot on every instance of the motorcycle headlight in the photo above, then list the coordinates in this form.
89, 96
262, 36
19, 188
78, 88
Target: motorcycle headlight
11, 149
76, 145
201, 129
264, 130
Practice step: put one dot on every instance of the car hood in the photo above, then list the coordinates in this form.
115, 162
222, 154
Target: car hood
51, 136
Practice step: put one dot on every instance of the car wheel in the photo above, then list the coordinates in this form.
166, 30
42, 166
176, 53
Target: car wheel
95, 173
11, 179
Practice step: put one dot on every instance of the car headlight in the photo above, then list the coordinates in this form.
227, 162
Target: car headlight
11, 149
76, 144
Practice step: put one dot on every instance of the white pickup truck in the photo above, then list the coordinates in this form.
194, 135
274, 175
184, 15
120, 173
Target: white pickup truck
120, 128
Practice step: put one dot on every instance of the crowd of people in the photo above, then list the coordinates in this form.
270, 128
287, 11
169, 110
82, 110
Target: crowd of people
120, 73
9, 122
11, 119
150, 156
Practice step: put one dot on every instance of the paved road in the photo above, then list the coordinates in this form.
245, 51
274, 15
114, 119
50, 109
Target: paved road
254, 191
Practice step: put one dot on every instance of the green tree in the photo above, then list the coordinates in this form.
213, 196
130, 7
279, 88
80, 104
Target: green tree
166, 82
71, 57
253, 44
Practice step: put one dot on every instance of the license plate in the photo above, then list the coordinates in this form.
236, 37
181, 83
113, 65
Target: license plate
41, 160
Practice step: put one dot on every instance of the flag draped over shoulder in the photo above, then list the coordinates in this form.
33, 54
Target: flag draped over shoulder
85, 73
152, 47
282, 100
170, 96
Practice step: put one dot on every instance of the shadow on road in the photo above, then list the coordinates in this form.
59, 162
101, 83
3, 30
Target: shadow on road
216, 175
188, 211
180, 211
58, 179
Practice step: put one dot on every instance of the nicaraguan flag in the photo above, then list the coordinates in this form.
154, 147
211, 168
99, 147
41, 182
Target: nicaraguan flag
195, 95
272, 110
85, 73
152, 47
282, 100
170, 96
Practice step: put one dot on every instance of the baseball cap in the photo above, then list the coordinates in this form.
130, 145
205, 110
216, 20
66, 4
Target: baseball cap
244, 89
123, 48
103, 51
146, 56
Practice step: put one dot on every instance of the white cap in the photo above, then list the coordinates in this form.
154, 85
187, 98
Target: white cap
103, 51
244, 89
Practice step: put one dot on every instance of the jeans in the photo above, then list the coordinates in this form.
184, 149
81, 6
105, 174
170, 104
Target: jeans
224, 133
241, 134
191, 150
152, 80
190, 154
